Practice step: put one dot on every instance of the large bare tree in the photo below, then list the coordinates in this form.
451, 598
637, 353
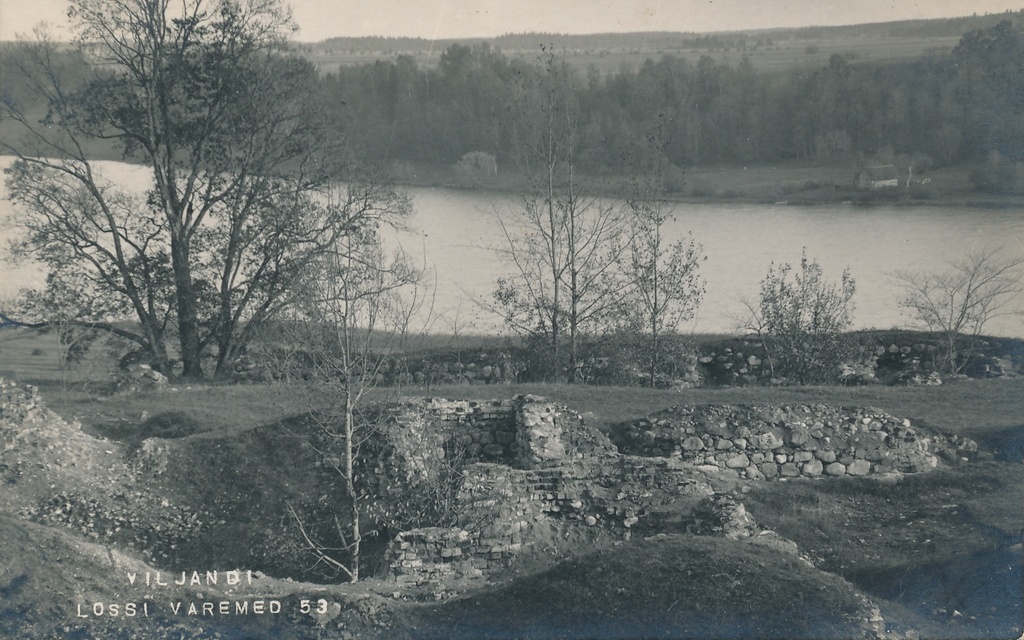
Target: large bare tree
207, 95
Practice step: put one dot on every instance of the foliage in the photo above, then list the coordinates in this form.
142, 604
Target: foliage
955, 106
990, 69
228, 121
665, 286
476, 164
999, 174
957, 304
801, 320
72, 310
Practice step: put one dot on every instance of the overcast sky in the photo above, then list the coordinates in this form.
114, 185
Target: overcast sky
321, 19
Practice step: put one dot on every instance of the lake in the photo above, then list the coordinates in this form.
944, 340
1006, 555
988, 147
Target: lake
458, 229
454, 232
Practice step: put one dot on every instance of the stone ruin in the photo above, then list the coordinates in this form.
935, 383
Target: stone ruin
767, 442
536, 471
532, 473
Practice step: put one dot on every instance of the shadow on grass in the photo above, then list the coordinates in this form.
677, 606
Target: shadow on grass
1007, 445
973, 596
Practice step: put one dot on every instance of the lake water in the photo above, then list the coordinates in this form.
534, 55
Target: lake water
454, 233
740, 242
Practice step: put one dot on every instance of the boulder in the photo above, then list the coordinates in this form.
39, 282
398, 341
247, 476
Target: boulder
693, 443
859, 468
812, 468
797, 437
790, 470
836, 469
825, 455
769, 441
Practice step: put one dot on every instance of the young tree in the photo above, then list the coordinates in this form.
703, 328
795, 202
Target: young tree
958, 303
667, 287
207, 96
665, 283
562, 246
352, 320
801, 320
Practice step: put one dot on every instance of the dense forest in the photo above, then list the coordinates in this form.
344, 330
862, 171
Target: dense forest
963, 107
942, 110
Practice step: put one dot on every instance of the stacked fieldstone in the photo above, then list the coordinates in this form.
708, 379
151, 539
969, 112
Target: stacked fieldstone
540, 438
524, 432
549, 435
773, 442
504, 508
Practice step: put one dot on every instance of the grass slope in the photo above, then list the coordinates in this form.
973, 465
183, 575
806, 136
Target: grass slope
670, 586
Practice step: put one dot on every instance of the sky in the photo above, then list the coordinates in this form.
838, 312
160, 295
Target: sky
321, 19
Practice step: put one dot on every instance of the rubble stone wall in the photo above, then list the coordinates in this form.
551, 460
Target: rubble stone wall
559, 475
781, 442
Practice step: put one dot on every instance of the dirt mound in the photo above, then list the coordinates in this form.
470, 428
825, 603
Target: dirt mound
42, 454
669, 586
55, 585
56, 474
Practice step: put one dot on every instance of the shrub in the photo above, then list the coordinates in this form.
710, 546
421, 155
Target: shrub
802, 320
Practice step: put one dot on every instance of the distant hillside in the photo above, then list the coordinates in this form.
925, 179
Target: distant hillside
937, 28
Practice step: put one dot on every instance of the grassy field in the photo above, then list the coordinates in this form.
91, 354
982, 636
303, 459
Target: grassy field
973, 408
989, 411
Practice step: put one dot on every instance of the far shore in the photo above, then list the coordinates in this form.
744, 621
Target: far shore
791, 183
797, 183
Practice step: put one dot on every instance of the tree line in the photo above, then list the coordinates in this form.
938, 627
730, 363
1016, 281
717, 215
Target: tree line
964, 107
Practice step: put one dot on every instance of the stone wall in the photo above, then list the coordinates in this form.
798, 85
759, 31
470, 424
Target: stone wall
551, 473
559, 476
523, 432
899, 359
505, 511
774, 442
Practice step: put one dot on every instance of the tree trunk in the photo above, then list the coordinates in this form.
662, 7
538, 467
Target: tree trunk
188, 324
350, 487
